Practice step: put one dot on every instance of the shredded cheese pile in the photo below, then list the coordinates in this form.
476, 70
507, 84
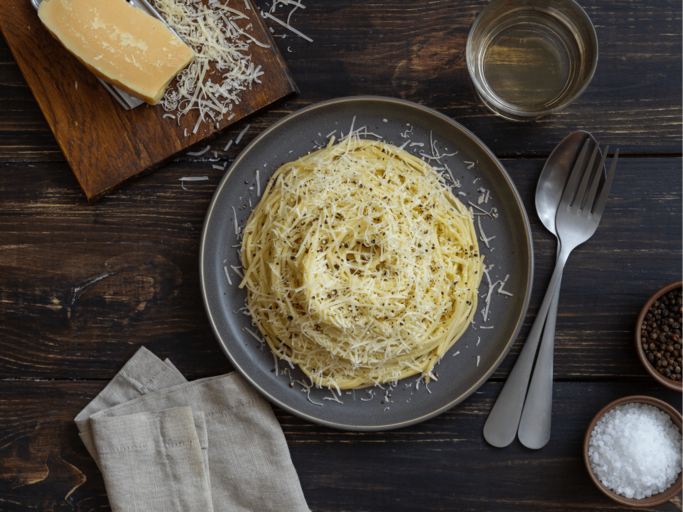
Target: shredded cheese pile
222, 66
361, 266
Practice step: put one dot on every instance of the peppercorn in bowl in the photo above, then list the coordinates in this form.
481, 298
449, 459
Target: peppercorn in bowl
658, 336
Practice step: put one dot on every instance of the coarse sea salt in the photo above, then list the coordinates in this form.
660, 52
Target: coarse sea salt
635, 450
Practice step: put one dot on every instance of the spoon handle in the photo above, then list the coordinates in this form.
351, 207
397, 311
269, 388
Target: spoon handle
501, 426
534, 429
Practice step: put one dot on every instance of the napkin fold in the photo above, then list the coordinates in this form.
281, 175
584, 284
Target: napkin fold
165, 444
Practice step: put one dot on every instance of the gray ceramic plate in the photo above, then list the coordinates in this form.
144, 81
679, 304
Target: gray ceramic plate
397, 121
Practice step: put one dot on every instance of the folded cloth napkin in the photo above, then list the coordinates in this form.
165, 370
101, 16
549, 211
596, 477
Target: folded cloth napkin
164, 444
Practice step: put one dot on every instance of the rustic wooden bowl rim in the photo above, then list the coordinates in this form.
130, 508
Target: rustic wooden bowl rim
655, 499
669, 383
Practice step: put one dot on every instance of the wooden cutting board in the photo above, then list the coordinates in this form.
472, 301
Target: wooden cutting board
106, 145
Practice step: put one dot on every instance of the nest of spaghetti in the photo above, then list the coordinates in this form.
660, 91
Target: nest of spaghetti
361, 266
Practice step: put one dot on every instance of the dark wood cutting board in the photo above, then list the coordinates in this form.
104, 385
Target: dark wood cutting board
105, 145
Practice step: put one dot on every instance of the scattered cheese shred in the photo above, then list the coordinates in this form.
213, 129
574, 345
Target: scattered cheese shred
239, 137
334, 398
198, 153
369, 392
227, 275
306, 388
287, 26
237, 227
483, 235
491, 213
500, 289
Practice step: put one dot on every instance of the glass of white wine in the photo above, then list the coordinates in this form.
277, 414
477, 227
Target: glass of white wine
530, 58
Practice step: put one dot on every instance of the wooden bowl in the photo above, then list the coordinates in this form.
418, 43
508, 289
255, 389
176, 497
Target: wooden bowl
676, 385
655, 499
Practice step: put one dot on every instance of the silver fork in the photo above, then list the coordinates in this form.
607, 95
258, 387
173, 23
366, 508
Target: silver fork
578, 216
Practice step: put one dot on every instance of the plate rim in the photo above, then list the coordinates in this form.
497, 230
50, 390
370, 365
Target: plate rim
292, 410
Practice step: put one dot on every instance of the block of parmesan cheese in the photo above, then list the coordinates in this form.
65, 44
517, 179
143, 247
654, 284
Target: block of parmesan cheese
119, 43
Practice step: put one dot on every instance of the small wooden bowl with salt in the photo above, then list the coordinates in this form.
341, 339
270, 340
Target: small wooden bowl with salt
655, 499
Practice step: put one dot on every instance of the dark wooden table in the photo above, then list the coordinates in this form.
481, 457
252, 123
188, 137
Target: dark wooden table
62, 337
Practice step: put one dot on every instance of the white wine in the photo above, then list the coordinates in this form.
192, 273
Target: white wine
529, 58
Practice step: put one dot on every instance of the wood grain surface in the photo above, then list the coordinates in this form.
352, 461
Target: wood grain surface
105, 145
82, 286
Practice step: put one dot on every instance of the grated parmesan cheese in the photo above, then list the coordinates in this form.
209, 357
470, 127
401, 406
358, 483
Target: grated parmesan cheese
483, 235
198, 153
500, 289
287, 26
334, 398
222, 66
374, 292
239, 137
306, 388
237, 228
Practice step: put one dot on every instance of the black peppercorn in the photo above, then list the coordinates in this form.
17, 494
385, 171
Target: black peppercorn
661, 335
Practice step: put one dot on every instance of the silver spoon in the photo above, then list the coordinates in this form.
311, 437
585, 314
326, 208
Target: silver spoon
504, 419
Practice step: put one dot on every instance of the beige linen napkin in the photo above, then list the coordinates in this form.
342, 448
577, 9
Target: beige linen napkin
153, 461
142, 374
194, 445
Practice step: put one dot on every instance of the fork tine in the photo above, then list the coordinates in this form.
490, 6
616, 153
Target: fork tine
602, 200
596, 182
586, 179
574, 177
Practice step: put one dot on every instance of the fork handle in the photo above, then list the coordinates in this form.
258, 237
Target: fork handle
534, 427
501, 426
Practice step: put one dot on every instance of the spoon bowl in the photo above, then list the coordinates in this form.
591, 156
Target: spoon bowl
555, 172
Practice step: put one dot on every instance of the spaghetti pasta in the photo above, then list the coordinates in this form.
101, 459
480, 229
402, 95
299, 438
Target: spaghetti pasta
361, 266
